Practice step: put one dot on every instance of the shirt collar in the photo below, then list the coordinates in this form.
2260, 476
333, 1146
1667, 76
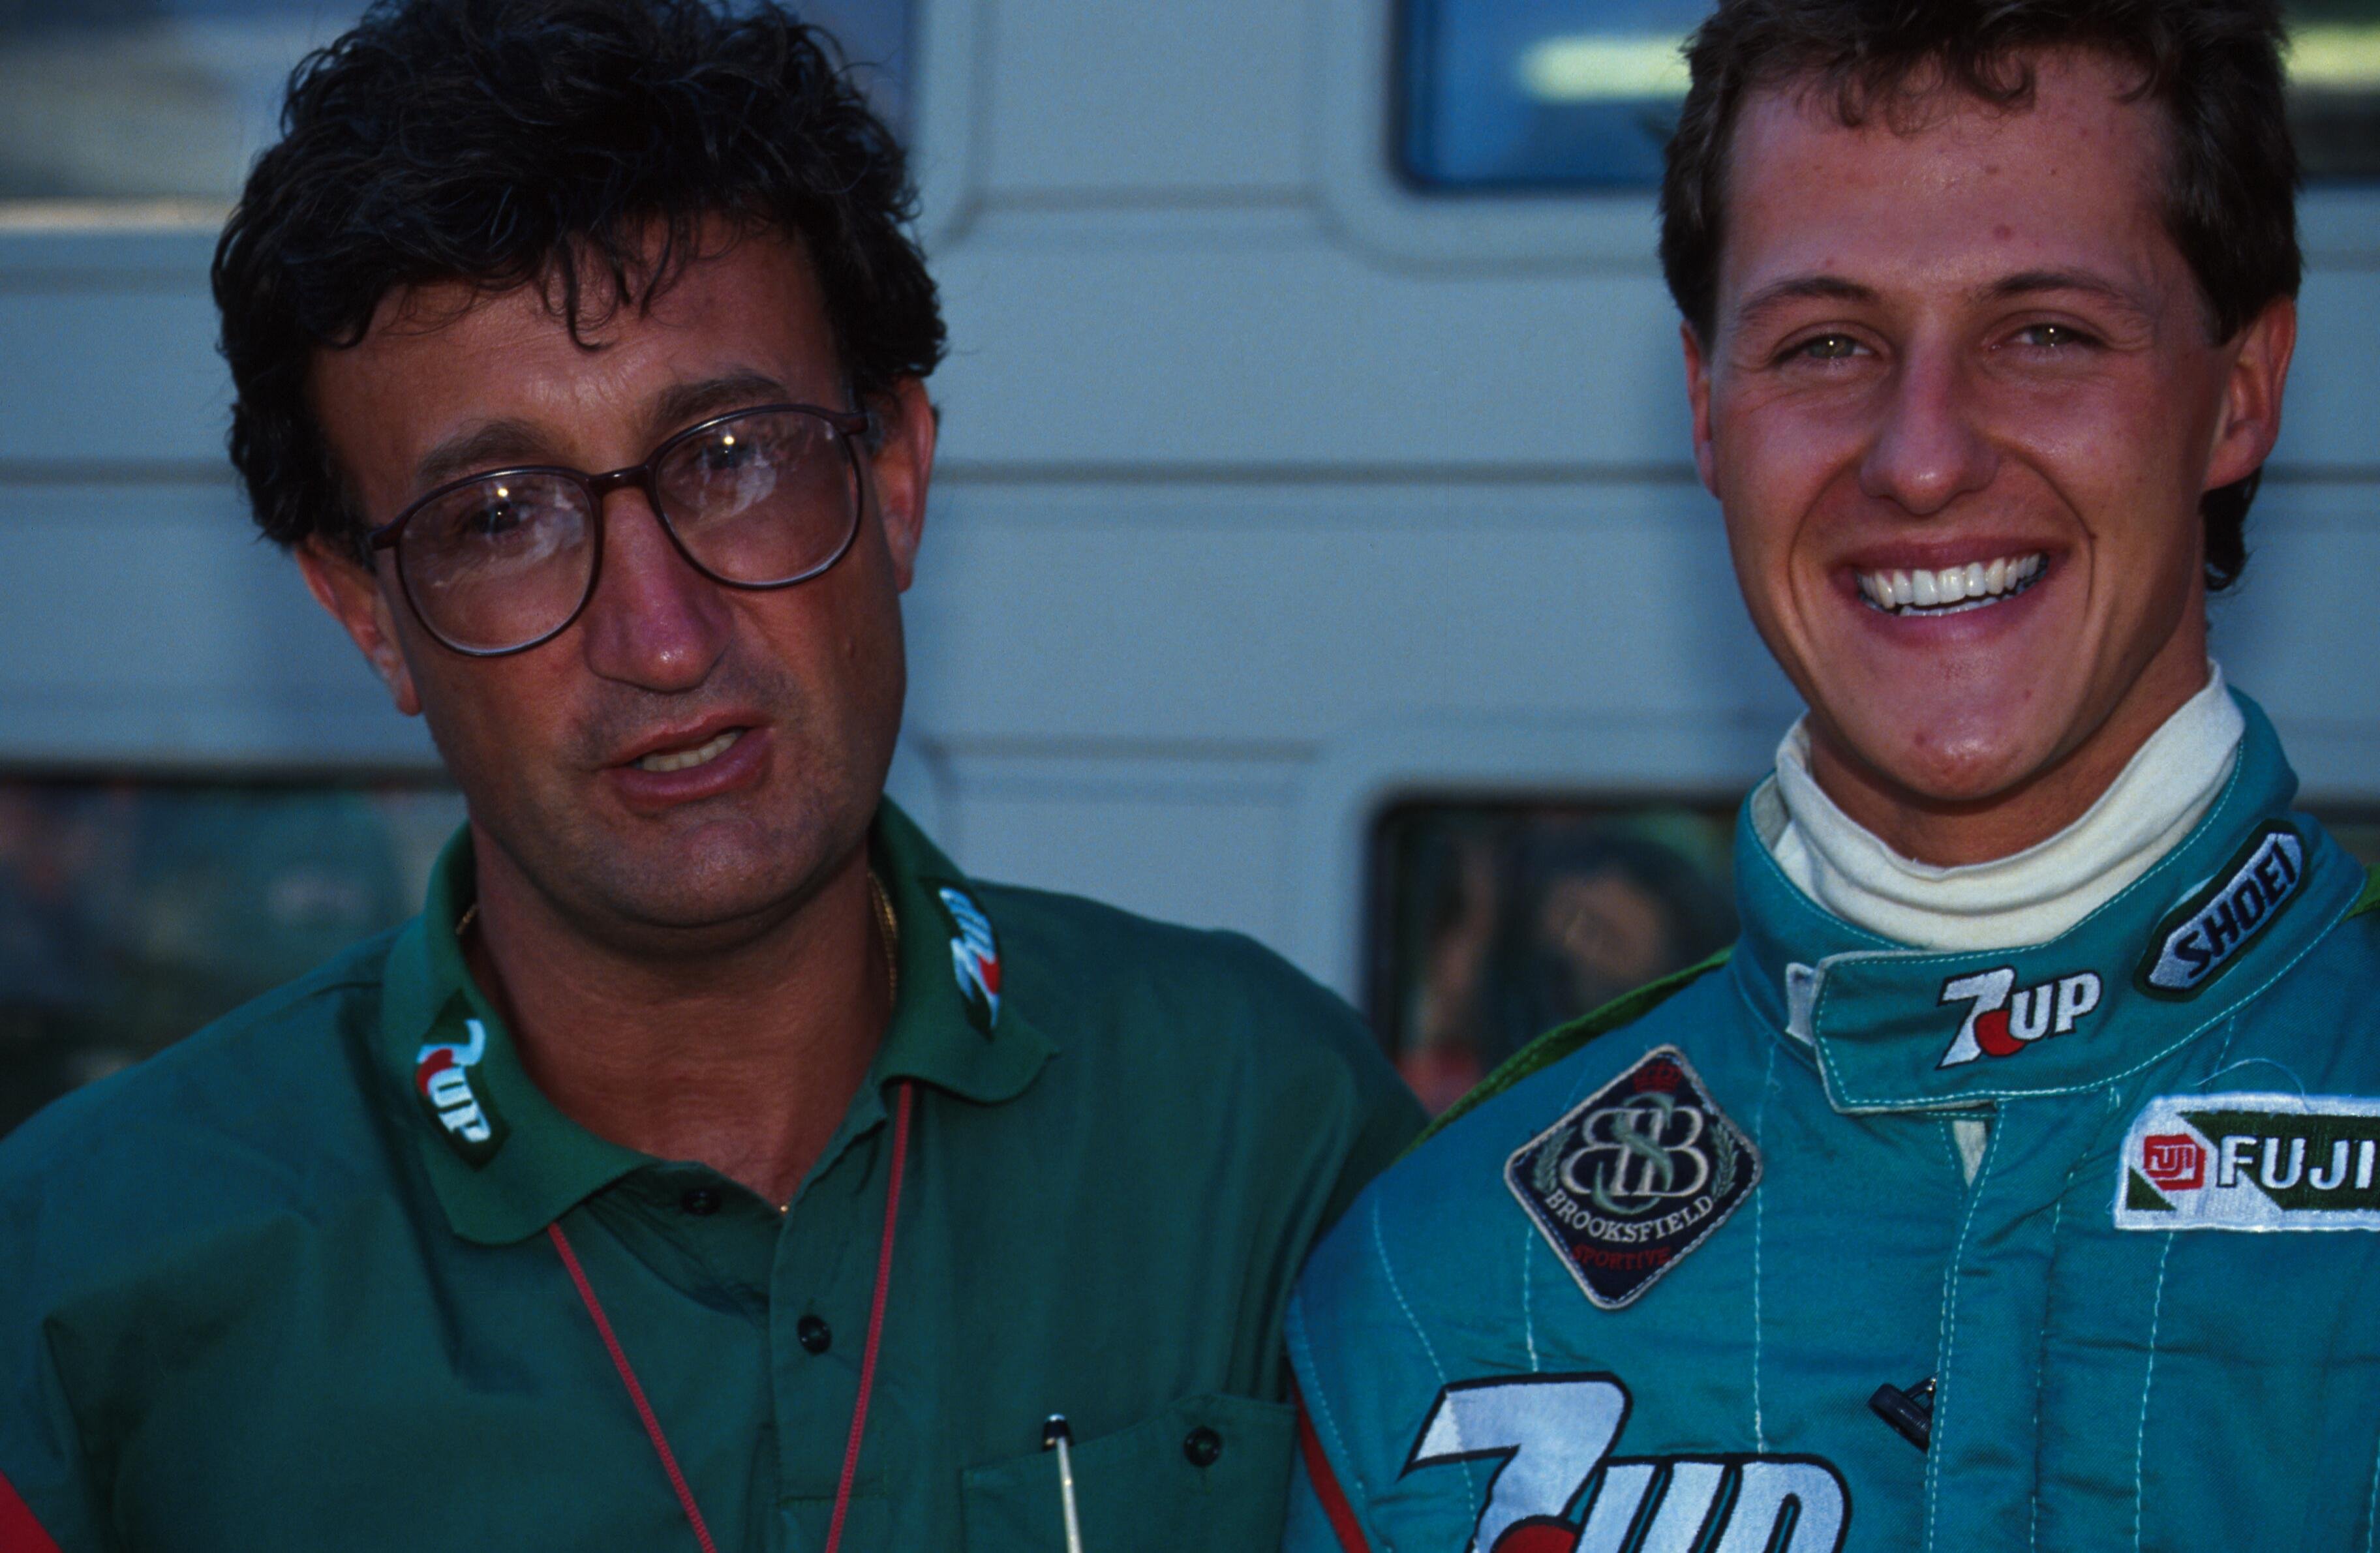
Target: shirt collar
505, 1162
2235, 901
957, 1025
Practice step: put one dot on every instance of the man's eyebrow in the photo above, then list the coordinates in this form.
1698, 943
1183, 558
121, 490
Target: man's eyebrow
494, 445
683, 404
1797, 288
491, 444
2029, 282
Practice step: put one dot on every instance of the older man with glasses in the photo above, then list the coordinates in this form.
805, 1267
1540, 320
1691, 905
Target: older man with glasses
712, 1164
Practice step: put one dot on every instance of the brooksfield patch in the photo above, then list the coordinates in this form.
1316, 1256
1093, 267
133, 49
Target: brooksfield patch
2251, 1162
1634, 1177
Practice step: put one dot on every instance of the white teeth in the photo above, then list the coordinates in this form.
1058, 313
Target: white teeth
1971, 586
684, 759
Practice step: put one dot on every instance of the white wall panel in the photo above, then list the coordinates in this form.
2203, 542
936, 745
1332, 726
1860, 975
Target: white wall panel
2301, 634
108, 377
146, 625
1281, 614
1186, 99
1291, 352
1201, 841
2330, 417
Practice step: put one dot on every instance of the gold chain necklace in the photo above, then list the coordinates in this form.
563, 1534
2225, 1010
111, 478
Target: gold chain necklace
888, 929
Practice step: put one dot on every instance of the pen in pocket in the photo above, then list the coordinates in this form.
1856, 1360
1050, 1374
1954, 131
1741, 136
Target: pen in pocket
1056, 1436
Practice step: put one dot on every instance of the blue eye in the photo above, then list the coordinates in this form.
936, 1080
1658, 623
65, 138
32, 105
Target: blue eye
1827, 347
2054, 336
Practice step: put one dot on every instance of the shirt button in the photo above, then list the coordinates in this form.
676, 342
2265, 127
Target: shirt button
813, 1334
700, 1201
1203, 1446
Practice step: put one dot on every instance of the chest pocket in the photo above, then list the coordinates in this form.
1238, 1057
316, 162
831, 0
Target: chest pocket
1208, 1475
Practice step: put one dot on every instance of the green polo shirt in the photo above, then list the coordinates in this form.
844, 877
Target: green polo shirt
288, 1284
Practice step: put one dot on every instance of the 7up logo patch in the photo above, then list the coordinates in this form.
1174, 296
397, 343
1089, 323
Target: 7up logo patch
443, 1076
974, 955
2251, 1162
2003, 1019
1553, 1483
1633, 1177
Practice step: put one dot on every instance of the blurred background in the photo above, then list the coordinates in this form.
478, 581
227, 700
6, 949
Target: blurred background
1315, 551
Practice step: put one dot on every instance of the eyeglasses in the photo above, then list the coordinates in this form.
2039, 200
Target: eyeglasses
500, 562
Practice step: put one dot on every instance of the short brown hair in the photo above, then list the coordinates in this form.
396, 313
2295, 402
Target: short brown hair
2212, 66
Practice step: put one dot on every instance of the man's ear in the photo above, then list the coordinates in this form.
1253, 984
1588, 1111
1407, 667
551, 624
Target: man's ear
356, 600
1698, 396
2250, 421
902, 467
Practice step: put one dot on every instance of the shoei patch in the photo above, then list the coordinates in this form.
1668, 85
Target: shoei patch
2202, 937
2251, 1162
1633, 1178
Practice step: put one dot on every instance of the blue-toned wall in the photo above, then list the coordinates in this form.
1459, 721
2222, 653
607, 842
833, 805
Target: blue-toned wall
1269, 489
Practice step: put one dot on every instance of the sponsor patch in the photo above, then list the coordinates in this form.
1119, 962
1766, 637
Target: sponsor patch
1633, 1177
2003, 1018
2204, 936
1557, 1489
2251, 1162
974, 955
443, 1076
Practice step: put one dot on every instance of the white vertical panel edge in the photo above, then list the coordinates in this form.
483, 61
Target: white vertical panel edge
946, 149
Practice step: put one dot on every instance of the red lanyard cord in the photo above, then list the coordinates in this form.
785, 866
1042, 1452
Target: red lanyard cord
875, 1319
636, 1392
902, 1107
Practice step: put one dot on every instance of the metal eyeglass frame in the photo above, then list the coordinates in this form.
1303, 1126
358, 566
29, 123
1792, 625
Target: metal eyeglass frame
849, 427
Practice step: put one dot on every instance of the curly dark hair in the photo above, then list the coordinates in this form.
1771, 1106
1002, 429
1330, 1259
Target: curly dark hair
2212, 68
505, 142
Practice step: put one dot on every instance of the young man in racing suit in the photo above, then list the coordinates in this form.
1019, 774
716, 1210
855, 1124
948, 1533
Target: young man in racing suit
1977, 1198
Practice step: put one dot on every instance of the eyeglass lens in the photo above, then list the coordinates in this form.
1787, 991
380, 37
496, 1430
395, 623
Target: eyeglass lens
757, 501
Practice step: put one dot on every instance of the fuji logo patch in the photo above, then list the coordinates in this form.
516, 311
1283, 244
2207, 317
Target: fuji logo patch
2003, 1019
2251, 1162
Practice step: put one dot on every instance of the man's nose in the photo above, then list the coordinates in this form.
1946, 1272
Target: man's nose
1929, 449
654, 622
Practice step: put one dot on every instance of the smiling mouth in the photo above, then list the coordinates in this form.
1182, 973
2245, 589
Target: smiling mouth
703, 754
1978, 585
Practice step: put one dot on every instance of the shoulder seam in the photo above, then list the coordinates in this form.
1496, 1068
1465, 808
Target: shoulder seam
1563, 1039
